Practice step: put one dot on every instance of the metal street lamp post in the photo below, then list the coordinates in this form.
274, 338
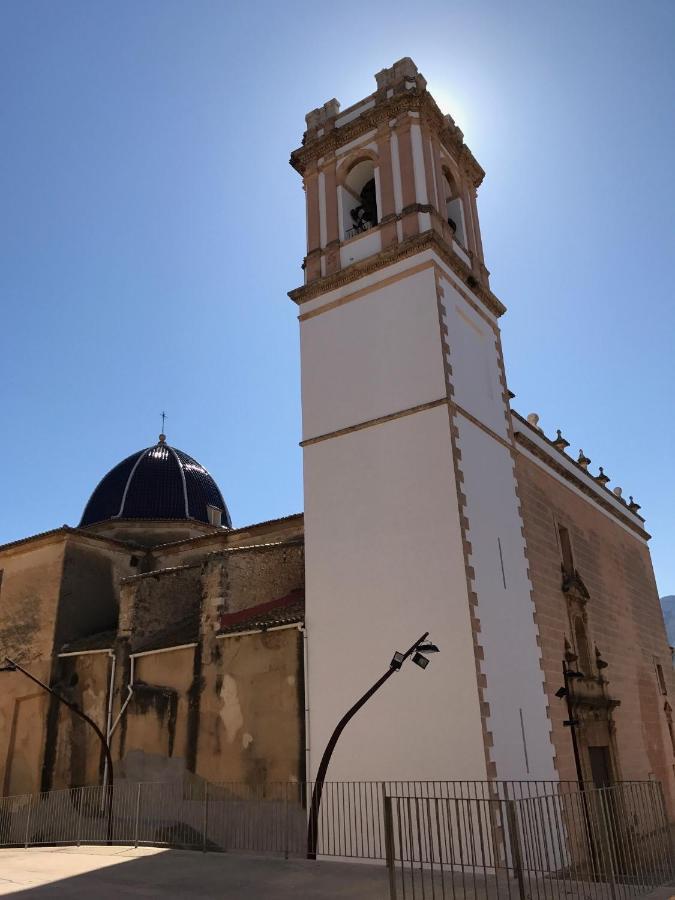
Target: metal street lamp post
12, 666
418, 648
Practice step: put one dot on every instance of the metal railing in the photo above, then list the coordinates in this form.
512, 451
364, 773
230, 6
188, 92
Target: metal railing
599, 843
523, 838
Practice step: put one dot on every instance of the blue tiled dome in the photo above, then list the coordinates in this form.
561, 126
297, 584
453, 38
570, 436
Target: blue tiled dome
159, 482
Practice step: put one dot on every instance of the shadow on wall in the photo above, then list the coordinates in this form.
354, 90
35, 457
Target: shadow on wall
113, 872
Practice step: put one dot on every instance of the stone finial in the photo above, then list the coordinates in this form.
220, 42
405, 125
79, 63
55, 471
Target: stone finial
617, 492
602, 478
320, 116
560, 443
633, 506
533, 419
396, 76
162, 438
583, 461
599, 661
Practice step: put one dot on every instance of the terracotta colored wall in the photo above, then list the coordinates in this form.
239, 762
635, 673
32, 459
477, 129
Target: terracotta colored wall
624, 621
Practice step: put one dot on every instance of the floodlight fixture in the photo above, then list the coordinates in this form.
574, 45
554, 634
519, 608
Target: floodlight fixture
561, 692
420, 661
428, 648
397, 660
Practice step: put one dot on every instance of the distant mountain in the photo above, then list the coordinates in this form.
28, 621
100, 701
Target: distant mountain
668, 607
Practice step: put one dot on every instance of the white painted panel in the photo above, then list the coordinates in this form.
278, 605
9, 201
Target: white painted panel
421, 195
475, 362
350, 114
361, 247
396, 171
376, 355
508, 634
384, 563
461, 252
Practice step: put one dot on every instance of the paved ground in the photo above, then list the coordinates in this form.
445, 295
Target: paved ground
104, 873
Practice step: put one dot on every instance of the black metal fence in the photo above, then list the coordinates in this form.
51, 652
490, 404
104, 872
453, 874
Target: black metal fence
523, 839
599, 843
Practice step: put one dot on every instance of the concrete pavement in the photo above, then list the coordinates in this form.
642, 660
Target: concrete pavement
104, 873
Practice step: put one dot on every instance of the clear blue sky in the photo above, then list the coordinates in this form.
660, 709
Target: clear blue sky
151, 226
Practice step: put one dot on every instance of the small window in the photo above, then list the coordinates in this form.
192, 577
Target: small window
566, 550
215, 515
661, 678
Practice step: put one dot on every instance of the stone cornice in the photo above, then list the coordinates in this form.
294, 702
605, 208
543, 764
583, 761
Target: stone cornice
428, 240
385, 110
579, 482
67, 531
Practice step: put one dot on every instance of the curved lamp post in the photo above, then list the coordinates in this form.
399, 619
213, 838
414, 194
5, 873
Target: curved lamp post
11, 666
418, 648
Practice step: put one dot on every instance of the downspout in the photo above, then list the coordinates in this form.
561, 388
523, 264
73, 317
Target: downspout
111, 691
308, 771
111, 728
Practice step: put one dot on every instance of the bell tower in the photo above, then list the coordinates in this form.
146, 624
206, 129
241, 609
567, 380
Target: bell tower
412, 517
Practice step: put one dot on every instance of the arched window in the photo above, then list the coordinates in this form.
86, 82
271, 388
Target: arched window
359, 199
454, 208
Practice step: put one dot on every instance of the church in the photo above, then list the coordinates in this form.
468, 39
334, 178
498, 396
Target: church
229, 653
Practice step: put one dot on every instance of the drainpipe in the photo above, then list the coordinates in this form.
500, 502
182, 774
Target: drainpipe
111, 728
303, 630
111, 690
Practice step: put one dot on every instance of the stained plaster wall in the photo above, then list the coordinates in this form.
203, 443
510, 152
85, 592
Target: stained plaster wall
89, 598
154, 739
28, 605
251, 722
624, 620
251, 719
84, 680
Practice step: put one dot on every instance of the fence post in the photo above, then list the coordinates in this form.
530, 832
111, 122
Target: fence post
514, 842
206, 816
389, 844
286, 820
79, 815
30, 810
607, 841
669, 837
138, 814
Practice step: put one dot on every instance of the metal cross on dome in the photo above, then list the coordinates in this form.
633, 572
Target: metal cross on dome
164, 416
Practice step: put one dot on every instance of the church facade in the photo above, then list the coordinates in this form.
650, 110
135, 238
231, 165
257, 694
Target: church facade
430, 505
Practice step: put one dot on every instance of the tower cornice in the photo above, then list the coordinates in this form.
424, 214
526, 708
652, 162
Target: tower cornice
426, 241
334, 136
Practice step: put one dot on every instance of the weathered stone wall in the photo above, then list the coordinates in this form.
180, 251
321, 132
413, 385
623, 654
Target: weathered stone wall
625, 622
28, 605
152, 603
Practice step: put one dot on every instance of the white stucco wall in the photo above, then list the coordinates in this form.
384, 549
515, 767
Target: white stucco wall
372, 356
384, 564
518, 719
508, 633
